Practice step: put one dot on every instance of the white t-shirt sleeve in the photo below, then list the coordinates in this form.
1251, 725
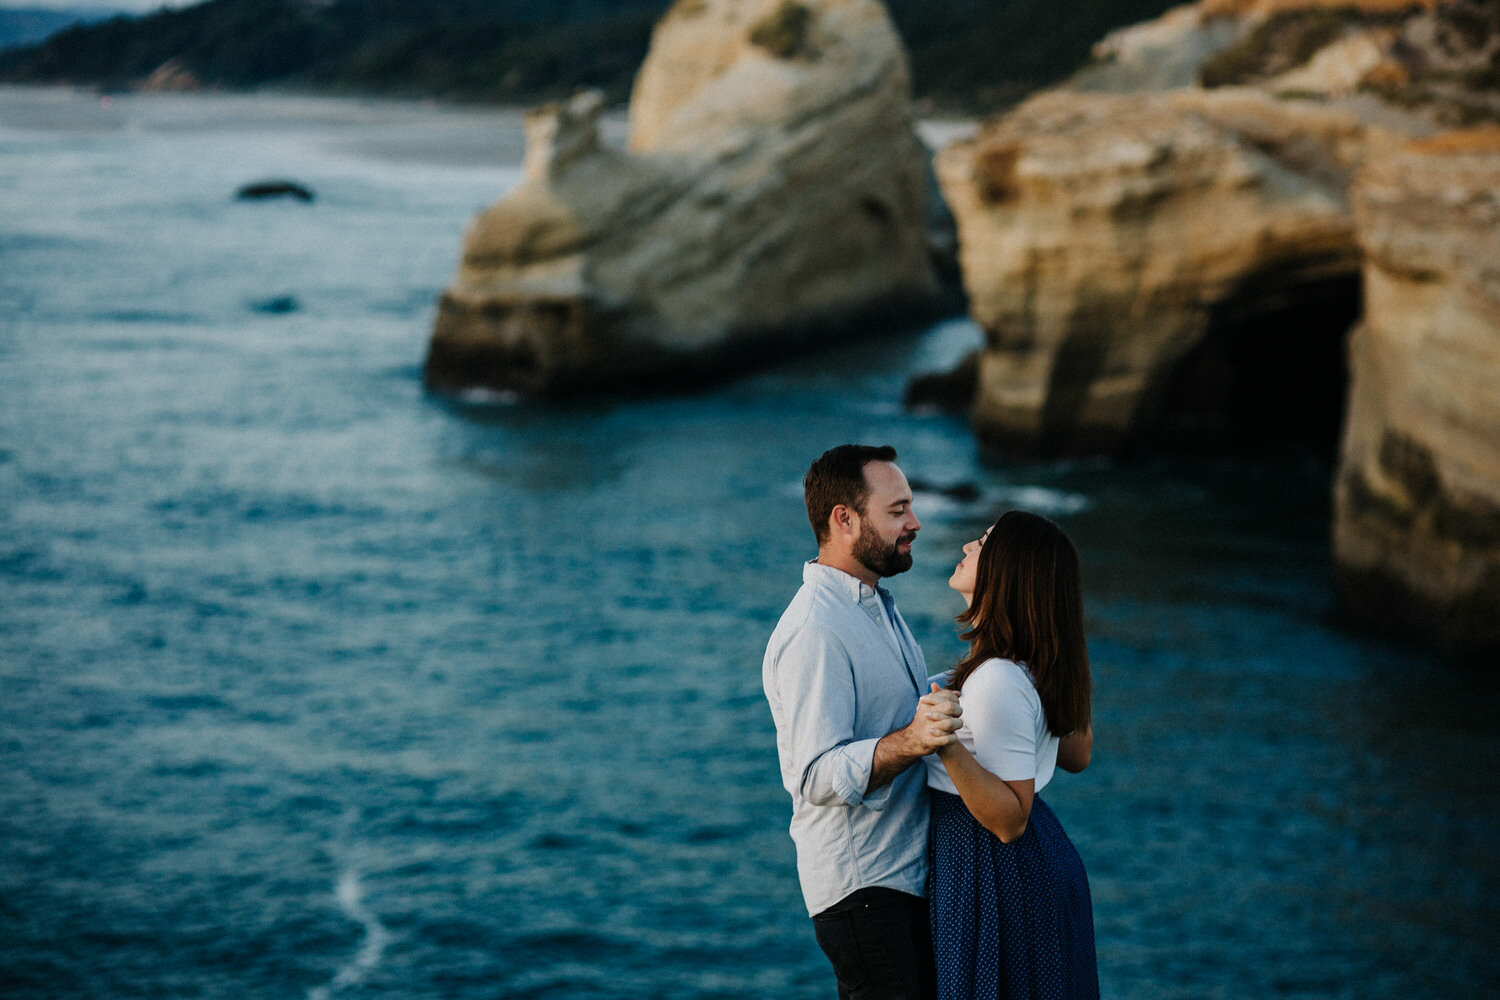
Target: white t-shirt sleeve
1002, 709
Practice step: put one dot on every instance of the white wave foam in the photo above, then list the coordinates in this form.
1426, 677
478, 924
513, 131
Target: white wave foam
479, 396
350, 895
1042, 500
932, 506
1037, 499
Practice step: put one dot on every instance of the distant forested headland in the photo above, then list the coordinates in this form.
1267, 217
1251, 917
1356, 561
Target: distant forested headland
966, 55
29, 25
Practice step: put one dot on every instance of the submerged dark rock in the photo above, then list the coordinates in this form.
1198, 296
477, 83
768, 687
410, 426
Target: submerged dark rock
947, 392
277, 305
260, 190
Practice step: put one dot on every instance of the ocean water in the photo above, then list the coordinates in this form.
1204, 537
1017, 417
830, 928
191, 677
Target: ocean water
314, 685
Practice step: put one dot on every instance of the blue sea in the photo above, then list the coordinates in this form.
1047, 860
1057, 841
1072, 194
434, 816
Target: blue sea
314, 685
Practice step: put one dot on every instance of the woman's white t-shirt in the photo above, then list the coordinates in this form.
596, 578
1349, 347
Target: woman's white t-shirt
1004, 727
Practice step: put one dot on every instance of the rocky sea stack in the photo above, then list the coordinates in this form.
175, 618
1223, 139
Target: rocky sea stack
772, 196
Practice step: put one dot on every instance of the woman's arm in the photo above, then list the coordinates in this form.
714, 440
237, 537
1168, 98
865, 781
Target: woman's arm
1074, 750
1001, 807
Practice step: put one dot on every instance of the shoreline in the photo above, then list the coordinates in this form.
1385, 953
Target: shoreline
463, 126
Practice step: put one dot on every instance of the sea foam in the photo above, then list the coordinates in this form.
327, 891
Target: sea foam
350, 894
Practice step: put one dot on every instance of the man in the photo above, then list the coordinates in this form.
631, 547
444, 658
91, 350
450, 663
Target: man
845, 680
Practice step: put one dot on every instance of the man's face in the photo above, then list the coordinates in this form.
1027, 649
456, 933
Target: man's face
886, 525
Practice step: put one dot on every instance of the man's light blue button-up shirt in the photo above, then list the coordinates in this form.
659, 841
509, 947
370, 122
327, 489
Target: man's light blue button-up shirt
841, 671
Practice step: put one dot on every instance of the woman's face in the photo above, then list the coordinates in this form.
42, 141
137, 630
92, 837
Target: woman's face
964, 573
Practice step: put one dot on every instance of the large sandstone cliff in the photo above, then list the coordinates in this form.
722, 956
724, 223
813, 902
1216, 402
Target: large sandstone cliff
1417, 519
1118, 230
1100, 236
772, 195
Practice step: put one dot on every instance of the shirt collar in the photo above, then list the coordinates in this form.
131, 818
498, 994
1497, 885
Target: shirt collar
858, 591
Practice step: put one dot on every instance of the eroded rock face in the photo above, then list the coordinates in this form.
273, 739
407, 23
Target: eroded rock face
772, 195
1123, 236
1417, 498
1099, 234
1349, 40
1265, 8
1157, 55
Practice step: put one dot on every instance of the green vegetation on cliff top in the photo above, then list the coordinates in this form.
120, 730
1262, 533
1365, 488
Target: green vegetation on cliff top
967, 55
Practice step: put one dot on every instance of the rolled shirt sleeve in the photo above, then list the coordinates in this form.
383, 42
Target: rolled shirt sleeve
815, 679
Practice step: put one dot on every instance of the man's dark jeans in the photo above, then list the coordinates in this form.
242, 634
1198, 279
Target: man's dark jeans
880, 943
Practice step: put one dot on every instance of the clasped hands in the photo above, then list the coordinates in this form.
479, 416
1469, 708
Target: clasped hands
937, 721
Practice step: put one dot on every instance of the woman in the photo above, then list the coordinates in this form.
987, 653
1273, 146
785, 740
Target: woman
1011, 914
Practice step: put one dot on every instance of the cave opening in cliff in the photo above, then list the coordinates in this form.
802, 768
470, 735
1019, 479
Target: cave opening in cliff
1270, 373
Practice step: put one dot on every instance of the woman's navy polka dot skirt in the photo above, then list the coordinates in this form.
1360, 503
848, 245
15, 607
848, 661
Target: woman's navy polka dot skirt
1009, 921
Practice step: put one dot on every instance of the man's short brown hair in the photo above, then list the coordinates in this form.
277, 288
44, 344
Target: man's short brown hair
838, 477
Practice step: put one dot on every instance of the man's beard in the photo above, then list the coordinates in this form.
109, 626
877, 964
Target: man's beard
880, 559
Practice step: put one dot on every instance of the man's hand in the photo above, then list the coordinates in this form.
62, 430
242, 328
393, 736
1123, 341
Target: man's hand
937, 719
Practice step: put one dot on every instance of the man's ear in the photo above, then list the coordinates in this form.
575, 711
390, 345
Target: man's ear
843, 520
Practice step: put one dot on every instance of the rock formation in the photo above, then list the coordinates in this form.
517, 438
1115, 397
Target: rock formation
771, 196
1100, 234
1417, 498
1122, 236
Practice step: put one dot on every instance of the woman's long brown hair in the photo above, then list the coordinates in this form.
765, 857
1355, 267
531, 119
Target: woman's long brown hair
1028, 607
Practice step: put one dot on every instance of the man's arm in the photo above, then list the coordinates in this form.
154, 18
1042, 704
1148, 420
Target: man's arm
813, 681
932, 727
822, 762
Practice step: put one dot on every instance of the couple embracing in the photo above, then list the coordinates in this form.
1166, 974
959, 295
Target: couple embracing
928, 860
